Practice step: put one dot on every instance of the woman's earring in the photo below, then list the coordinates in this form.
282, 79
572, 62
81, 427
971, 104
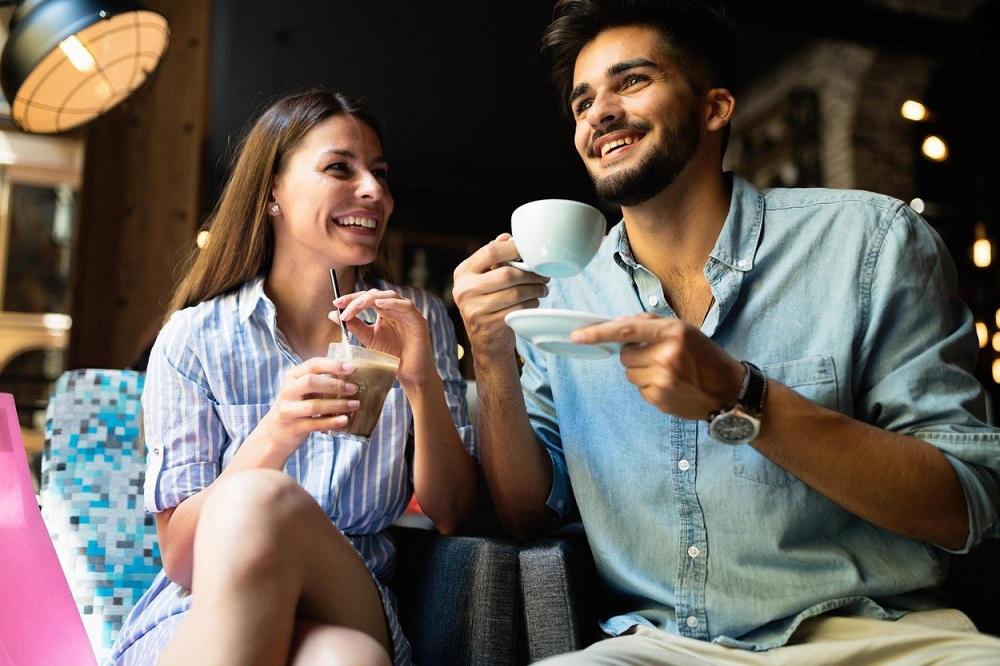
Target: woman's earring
275, 209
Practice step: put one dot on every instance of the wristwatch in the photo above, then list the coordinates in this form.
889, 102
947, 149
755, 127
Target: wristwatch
740, 424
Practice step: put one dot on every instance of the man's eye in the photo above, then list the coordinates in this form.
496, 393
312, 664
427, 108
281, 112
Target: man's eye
583, 106
632, 80
381, 174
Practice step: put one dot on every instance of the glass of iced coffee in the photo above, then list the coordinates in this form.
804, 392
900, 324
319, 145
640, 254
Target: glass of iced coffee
374, 374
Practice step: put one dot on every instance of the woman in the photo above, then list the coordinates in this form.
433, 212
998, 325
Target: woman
270, 523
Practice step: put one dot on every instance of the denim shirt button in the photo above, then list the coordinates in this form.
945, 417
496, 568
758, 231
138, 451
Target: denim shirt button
653, 301
743, 264
693, 551
683, 465
692, 621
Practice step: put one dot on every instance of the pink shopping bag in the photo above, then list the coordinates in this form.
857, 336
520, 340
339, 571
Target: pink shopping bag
39, 622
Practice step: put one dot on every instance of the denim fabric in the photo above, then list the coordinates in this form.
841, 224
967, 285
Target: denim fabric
846, 297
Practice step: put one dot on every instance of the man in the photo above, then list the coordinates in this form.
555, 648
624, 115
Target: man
797, 507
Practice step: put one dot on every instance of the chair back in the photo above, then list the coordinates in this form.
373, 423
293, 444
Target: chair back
39, 623
92, 489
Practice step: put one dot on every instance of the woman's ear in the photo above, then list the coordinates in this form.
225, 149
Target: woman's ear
273, 208
719, 105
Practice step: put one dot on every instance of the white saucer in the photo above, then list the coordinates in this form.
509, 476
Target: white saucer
549, 331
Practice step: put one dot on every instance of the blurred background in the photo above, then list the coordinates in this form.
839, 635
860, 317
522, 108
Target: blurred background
895, 96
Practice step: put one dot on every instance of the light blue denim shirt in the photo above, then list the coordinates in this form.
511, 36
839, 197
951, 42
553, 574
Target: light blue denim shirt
846, 297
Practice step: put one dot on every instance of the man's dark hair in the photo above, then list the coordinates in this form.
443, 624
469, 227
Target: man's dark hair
698, 34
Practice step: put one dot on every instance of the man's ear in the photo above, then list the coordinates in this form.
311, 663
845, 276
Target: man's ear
719, 107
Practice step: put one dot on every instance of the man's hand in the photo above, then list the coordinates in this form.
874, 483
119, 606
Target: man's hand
676, 368
486, 289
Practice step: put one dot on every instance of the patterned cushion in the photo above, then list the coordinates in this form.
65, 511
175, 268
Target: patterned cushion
92, 499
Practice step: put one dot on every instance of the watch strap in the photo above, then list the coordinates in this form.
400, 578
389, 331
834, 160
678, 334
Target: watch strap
754, 388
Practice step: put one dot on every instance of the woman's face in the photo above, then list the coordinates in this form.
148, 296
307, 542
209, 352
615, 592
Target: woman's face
332, 194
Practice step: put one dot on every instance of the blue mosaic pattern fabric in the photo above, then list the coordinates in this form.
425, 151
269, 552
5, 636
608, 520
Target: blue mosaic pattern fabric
91, 494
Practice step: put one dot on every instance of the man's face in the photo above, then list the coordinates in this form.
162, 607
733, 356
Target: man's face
637, 117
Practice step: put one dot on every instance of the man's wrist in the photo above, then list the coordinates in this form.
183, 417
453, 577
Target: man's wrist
739, 422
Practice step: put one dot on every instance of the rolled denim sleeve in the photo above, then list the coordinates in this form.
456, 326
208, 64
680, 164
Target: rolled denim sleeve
542, 414
184, 435
917, 352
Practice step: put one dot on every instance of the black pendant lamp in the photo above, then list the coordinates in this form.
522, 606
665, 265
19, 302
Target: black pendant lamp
68, 61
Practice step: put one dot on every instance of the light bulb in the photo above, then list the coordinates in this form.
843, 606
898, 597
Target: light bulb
934, 148
77, 53
913, 110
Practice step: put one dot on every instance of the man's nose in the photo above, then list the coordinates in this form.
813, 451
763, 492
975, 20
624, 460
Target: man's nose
605, 109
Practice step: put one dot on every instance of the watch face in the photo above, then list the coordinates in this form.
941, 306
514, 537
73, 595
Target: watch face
734, 428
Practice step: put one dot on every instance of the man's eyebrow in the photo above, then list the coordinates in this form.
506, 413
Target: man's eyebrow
613, 70
579, 91
626, 65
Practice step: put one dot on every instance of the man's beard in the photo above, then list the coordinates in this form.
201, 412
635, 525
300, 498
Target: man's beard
658, 169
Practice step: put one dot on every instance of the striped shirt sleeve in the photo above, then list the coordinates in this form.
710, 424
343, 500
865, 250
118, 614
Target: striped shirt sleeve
445, 348
184, 436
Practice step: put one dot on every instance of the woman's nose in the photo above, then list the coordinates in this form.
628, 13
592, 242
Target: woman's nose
370, 187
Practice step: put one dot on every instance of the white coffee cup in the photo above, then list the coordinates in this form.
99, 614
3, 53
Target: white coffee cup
556, 237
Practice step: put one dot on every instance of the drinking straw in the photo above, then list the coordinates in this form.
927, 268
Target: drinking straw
343, 329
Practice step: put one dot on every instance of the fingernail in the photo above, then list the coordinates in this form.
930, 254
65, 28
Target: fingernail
577, 336
353, 404
347, 367
350, 388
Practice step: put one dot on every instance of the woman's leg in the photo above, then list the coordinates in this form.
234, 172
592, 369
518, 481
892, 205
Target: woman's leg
327, 645
265, 554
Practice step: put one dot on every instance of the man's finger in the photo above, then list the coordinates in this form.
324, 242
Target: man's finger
628, 330
495, 252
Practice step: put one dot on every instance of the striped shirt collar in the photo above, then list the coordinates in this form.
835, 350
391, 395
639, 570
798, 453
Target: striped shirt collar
251, 296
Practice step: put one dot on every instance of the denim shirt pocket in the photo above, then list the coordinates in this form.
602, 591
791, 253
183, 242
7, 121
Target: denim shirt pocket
814, 378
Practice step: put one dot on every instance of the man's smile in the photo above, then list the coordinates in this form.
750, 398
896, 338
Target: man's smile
615, 143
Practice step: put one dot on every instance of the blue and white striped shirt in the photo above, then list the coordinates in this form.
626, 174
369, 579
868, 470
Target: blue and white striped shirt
213, 374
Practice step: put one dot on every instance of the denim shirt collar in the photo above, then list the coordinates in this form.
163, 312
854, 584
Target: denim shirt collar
738, 241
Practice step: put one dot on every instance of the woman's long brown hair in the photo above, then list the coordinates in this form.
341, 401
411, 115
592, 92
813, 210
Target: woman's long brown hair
242, 238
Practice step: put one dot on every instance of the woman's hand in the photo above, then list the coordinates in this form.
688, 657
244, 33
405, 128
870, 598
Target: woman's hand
400, 330
314, 396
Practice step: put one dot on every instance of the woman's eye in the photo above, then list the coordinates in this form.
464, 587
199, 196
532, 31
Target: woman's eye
381, 174
336, 166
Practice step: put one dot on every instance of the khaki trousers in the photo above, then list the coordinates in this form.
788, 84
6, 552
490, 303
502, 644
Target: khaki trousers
944, 636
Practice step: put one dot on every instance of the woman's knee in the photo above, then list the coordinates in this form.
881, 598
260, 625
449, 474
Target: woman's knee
254, 518
332, 645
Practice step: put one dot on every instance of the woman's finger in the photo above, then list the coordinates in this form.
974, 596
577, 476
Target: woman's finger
399, 309
319, 365
321, 407
364, 301
363, 331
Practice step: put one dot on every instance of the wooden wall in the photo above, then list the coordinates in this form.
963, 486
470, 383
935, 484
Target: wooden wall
140, 200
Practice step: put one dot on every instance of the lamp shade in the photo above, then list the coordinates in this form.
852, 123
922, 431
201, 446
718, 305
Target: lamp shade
67, 61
